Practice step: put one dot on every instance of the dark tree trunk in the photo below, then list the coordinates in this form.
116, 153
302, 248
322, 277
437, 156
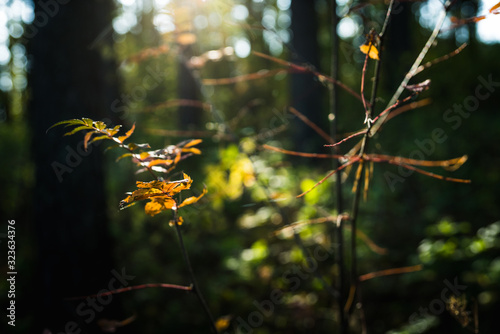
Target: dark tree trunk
307, 92
187, 89
70, 78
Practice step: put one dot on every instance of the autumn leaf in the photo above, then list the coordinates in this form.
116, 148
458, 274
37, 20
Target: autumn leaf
495, 9
86, 139
99, 125
114, 131
128, 134
102, 137
155, 162
193, 142
192, 199
110, 326
370, 49
124, 156
157, 205
77, 129
160, 193
370, 45
177, 221
223, 322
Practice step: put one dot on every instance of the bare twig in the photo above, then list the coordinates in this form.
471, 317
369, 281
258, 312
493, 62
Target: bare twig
387, 272
194, 282
415, 65
299, 68
440, 59
313, 126
136, 287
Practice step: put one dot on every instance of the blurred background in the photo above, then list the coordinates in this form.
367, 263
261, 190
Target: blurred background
164, 65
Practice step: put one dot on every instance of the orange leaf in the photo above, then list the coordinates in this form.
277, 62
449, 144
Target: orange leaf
192, 199
223, 322
193, 142
193, 150
128, 134
494, 9
179, 221
158, 205
155, 162
159, 193
86, 139
370, 49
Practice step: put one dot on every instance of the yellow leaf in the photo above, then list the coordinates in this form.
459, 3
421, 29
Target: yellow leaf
371, 49
179, 221
192, 199
155, 162
223, 322
128, 134
158, 205
193, 150
193, 142
160, 194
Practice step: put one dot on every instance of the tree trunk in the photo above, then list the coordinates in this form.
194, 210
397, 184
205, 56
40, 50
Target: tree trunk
189, 116
69, 78
307, 93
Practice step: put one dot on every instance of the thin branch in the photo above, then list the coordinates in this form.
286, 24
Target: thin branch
353, 160
135, 287
179, 102
245, 77
311, 124
365, 106
360, 234
436, 176
362, 132
299, 68
450, 164
355, 208
408, 107
387, 272
440, 59
194, 282
303, 154
181, 133
415, 65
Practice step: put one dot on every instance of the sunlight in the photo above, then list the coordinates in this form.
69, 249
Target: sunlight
164, 23
488, 29
242, 47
